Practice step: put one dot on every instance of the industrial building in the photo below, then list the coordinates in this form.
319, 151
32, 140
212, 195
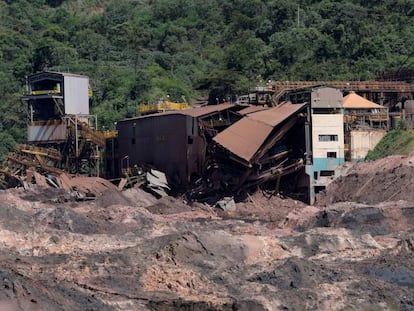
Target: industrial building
295, 139
221, 149
58, 118
174, 142
218, 149
365, 124
326, 134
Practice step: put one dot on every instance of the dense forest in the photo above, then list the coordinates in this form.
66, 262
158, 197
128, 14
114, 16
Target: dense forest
137, 51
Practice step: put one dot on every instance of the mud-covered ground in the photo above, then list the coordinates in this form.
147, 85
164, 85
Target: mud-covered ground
129, 251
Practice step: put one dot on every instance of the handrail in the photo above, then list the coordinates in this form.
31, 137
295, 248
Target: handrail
164, 106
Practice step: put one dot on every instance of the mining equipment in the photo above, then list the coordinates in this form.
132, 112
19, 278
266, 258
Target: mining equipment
162, 106
62, 135
386, 93
206, 151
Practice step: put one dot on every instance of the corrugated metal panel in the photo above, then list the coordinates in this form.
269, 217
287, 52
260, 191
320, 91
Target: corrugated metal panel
193, 112
245, 137
43, 133
76, 94
251, 109
276, 115
206, 110
166, 143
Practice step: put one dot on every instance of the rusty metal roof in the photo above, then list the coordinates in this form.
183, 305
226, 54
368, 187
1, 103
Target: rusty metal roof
193, 112
245, 137
251, 109
277, 114
206, 110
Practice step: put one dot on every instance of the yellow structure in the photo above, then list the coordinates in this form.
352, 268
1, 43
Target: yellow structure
365, 125
161, 107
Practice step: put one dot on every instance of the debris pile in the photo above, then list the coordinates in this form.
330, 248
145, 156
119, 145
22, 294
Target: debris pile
388, 179
131, 251
30, 165
260, 148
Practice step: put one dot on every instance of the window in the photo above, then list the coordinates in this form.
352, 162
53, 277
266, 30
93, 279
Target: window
319, 189
327, 173
328, 137
331, 155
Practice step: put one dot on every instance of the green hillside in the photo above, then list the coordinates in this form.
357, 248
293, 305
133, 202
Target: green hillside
394, 142
137, 51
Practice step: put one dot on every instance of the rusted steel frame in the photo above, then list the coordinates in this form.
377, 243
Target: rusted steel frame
274, 173
207, 128
271, 141
13, 157
267, 175
396, 86
240, 160
46, 167
49, 152
274, 157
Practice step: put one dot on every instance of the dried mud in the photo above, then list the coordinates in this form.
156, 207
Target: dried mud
130, 251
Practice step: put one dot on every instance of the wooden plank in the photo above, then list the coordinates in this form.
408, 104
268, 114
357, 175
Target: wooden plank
40, 179
122, 184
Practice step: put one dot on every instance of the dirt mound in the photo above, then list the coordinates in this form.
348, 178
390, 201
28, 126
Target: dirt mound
376, 220
264, 208
20, 292
298, 273
134, 252
66, 219
168, 205
385, 180
130, 197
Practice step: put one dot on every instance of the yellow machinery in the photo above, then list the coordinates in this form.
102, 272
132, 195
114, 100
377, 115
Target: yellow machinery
161, 107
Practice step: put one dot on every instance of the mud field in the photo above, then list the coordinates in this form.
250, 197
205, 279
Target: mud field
129, 251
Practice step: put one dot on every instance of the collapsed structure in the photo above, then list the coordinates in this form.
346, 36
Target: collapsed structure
230, 149
294, 139
62, 137
217, 149
58, 117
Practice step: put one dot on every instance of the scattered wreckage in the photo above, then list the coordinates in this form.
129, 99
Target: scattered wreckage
206, 153
217, 151
28, 165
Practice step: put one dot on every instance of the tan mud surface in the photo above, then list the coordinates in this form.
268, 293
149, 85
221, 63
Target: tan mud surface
129, 251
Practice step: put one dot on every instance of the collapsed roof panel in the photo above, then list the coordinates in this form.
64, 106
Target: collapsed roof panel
206, 110
245, 137
276, 115
251, 109
197, 112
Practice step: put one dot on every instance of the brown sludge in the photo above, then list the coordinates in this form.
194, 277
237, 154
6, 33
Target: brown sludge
129, 251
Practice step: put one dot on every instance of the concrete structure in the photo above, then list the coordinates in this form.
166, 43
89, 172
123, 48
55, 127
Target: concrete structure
362, 141
327, 135
365, 125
